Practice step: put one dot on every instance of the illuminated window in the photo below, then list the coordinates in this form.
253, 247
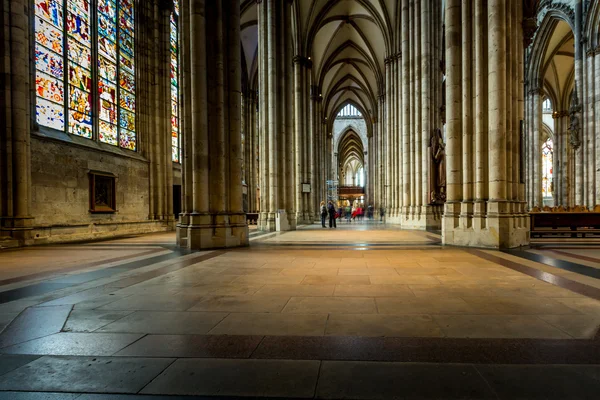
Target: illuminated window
66, 61
547, 173
349, 111
174, 40
360, 177
547, 105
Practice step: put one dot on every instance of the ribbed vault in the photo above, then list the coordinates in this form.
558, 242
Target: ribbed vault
558, 67
350, 152
249, 36
347, 41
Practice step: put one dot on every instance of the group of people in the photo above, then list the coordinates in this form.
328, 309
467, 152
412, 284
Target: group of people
350, 213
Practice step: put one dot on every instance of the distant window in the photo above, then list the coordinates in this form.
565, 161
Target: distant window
174, 40
547, 172
349, 111
547, 106
360, 177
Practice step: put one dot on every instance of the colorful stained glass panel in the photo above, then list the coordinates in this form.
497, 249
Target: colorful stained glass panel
108, 133
107, 48
107, 91
175, 138
126, 43
126, 63
50, 114
80, 77
128, 139
50, 10
80, 7
127, 120
127, 101
108, 8
48, 35
49, 62
175, 147
107, 70
127, 81
80, 100
80, 124
79, 54
108, 112
78, 27
125, 19
107, 27
50, 88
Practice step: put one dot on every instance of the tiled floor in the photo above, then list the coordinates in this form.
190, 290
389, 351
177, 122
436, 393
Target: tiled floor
313, 313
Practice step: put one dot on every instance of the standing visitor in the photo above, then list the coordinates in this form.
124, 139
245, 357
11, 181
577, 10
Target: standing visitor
331, 210
323, 214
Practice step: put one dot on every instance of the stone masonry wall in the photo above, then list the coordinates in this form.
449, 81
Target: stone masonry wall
60, 193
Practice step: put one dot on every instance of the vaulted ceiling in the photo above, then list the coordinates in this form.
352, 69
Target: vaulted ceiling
347, 42
350, 149
558, 67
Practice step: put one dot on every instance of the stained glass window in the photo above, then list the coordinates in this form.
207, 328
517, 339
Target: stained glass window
175, 133
547, 173
72, 74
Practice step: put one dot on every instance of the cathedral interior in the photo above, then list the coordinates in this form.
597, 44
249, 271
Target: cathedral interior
357, 199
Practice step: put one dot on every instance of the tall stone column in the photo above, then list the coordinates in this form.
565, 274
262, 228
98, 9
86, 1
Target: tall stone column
503, 222
157, 107
276, 82
250, 135
15, 104
300, 133
453, 121
388, 164
596, 73
590, 127
406, 104
537, 147
217, 219
481, 126
467, 114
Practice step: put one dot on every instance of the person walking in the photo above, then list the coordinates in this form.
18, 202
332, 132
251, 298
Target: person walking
323, 214
331, 210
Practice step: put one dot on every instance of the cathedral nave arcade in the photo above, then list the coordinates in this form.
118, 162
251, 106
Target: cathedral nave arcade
143, 117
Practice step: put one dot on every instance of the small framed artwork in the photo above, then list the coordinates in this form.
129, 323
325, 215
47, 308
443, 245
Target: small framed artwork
102, 192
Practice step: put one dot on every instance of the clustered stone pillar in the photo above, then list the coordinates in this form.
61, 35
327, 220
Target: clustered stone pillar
250, 147
303, 124
534, 154
276, 93
214, 217
412, 100
154, 109
15, 103
500, 219
591, 123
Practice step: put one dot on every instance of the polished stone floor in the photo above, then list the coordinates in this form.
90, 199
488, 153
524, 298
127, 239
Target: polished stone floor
358, 312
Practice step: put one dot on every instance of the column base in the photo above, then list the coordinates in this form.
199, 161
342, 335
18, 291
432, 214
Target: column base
16, 231
212, 231
493, 224
428, 217
267, 222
